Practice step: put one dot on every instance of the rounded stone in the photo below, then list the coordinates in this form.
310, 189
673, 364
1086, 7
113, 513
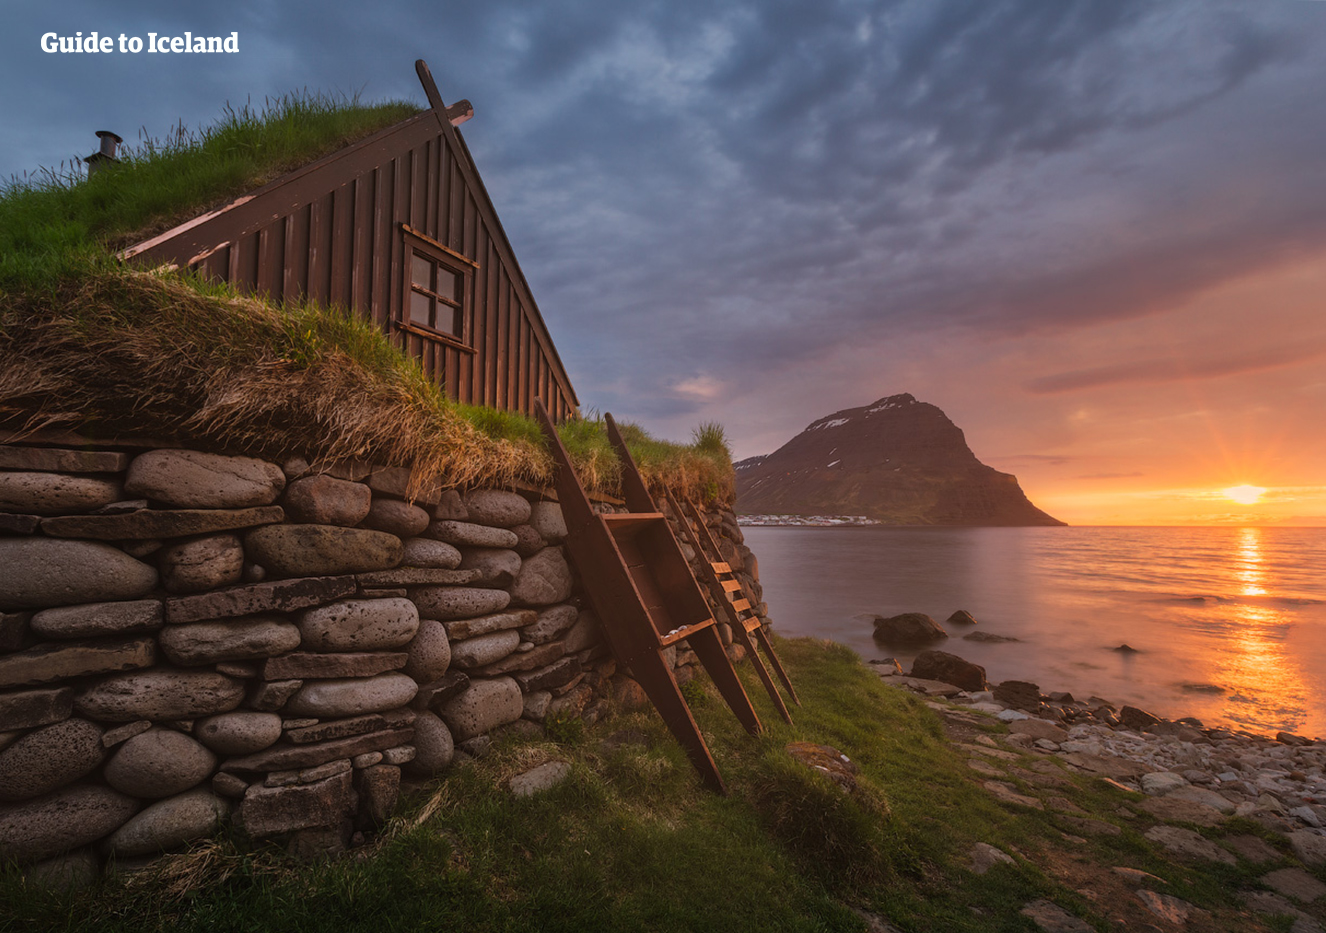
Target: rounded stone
484, 649
359, 625
58, 822
201, 564
425, 552
543, 579
169, 823
490, 561
160, 695
191, 479
329, 699
433, 746
42, 572
244, 639
496, 507
546, 518
551, 623
528, 541
429, 651
315, 550
484, 706
325, 500
458, 602
94, 619
396, 517
238, 733
908, 628
49, 758
159, 763
55, 493
470, 534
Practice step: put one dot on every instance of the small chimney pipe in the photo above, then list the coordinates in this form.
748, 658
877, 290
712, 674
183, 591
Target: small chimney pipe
110, 145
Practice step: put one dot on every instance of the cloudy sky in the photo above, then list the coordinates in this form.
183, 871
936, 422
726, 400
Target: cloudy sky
1092, 231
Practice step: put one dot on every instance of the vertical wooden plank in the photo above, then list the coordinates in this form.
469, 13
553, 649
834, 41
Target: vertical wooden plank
433, 167
244, 264
522, 365
380, 289
502, 358
456, 208
340, 271
319, 249
361, 250
271, 249
511, 353
451, 370
491, 314
444, 191
419, 187
294, 281
399, 211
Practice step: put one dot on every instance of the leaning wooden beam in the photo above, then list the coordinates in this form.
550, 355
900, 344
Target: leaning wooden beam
610, 553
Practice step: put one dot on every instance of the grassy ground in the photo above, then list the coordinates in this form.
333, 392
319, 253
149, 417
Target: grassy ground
631, 840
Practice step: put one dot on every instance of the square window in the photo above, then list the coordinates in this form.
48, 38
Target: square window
436, 292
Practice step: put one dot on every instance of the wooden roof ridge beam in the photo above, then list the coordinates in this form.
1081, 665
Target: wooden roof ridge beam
457, 113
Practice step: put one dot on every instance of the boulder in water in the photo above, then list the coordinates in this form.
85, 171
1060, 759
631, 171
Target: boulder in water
908, 628
962, 617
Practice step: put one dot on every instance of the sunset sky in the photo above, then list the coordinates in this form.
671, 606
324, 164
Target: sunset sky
1093, 233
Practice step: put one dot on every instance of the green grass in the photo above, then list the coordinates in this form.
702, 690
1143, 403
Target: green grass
631, 841
55, 223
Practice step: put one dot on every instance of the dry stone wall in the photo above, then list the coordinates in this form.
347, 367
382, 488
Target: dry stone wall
188, 637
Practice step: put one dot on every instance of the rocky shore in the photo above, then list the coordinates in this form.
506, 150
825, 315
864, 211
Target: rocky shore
1190, 772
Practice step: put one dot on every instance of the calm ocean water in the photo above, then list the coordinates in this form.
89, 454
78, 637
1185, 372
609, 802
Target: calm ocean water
1229, 623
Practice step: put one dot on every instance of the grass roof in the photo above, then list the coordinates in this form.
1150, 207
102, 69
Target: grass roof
89, 344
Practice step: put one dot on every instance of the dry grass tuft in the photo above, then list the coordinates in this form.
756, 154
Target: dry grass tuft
121, 351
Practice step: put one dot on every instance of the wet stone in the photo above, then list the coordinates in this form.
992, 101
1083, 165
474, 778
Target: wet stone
93, 620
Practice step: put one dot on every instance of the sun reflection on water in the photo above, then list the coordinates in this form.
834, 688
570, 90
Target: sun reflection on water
1250, 572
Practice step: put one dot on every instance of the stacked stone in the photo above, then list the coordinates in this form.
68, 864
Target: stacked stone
186, 636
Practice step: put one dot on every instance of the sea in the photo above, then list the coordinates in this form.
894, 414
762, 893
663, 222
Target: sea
1225, 624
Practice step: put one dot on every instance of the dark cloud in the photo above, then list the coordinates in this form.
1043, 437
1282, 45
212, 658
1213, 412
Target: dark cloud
738, 190
1174, 369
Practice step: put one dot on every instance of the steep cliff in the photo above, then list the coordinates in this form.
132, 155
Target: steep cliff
899, 461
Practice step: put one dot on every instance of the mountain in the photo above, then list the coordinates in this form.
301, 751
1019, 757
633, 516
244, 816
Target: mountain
898, 461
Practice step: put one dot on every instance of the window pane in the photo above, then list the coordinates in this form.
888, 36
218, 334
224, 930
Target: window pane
421, 272
448, 319
446, 284
421, 309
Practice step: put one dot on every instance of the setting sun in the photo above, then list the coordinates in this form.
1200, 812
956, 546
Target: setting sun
1244, 495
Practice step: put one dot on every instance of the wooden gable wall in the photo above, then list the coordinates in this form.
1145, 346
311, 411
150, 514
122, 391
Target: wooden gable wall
332, 233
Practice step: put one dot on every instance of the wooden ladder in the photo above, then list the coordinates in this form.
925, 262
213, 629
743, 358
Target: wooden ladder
736, 605
645, 596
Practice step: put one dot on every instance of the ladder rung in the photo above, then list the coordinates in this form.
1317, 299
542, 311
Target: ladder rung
750, 623
686, 631
730, 586
720, 567
741, 604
